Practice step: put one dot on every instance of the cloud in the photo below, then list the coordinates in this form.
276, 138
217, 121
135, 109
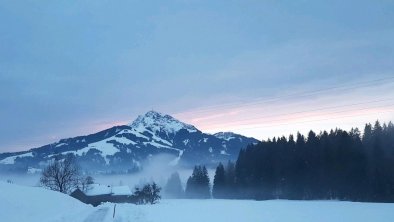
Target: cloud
77, 67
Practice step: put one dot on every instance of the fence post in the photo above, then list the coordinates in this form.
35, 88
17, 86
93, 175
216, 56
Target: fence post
114, 211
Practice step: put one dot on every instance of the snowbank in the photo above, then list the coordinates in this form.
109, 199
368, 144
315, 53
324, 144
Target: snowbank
31, 204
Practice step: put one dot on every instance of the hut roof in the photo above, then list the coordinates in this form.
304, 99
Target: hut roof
100, 189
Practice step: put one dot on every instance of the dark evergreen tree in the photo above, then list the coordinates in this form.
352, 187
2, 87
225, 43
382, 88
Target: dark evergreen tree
219, 183
173, 188
198, 184
205, 183
231, 189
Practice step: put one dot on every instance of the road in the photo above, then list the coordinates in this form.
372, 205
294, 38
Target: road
98, 216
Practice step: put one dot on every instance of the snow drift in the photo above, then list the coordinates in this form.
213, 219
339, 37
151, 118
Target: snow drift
30, 204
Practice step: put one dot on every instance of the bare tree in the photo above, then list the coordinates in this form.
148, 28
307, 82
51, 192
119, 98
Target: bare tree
89, 180
61, 175
85, 183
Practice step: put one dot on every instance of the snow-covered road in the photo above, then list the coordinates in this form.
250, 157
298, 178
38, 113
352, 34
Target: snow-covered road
98, 216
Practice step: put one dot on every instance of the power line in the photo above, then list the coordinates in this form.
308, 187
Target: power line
263, 100
319, 120
313, 110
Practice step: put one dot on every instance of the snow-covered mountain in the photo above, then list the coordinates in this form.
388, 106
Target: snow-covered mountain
125, 148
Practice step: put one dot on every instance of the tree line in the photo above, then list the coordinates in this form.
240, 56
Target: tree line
339, 164
331, 165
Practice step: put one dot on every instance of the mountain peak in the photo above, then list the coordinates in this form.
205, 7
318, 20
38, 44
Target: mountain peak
155, 114
156, 121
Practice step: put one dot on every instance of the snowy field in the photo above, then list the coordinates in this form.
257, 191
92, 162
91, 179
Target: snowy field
31, 204
255, 211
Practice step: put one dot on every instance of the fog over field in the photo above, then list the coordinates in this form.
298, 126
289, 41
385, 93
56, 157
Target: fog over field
156, 169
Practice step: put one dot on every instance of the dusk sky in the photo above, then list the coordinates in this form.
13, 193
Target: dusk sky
259, 68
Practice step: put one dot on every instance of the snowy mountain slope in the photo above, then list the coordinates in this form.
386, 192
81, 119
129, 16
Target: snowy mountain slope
227, 135
20, 203
125, 148
11, 159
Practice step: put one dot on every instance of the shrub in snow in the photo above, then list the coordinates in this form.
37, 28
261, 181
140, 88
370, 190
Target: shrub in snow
148, 194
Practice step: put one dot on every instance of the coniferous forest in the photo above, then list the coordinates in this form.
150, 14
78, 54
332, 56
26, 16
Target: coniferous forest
341, 165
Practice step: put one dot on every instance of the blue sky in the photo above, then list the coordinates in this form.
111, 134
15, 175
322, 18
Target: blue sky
74, 67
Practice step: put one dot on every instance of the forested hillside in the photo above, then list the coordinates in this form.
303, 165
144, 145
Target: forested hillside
343, 165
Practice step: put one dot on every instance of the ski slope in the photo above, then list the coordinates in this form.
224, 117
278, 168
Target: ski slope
33, 204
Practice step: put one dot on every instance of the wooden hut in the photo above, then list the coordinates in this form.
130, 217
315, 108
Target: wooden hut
98, 193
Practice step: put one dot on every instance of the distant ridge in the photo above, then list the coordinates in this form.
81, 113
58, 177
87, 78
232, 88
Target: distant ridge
124, 148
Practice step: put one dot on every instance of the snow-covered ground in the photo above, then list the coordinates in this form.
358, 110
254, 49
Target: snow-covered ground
255, 211
31, 204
